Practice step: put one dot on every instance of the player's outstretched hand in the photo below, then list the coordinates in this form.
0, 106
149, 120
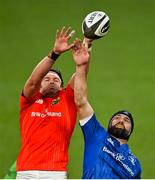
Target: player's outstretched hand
80, 53
62, 40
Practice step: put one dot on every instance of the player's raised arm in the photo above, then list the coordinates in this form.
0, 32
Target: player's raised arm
61, 45
81, 57
87, 44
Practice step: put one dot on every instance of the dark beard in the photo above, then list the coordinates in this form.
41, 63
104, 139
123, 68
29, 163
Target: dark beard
50, 92
119, 133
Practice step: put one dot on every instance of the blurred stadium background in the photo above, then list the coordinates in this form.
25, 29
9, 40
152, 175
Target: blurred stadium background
122, 73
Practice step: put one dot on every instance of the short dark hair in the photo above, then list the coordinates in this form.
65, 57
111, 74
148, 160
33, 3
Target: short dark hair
58, 72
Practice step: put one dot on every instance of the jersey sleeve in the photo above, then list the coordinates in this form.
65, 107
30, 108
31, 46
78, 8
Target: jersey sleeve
134, 167
131, 170
26, 102
69, 92
127, 166
93, 132
92, 128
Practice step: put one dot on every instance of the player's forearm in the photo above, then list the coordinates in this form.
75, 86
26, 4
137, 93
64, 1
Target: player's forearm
80, 90
41, 70
80, 85
33, 83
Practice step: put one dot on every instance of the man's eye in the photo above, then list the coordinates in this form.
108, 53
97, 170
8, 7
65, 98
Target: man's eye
127, 120
56, 80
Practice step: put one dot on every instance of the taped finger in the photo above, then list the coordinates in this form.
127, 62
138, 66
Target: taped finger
71, 34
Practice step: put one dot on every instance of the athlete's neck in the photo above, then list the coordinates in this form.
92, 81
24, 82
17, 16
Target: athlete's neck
122, 141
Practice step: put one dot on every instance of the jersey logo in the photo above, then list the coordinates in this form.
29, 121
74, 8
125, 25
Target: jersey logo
110, 140
55, 101
120, 157
39, 101
132, 159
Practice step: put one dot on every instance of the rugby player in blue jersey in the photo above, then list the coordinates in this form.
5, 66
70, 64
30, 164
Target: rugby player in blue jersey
106, 153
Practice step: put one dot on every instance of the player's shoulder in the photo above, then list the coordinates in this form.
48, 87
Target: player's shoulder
67, 89
133, 159
92, 124
135, 165
28, 101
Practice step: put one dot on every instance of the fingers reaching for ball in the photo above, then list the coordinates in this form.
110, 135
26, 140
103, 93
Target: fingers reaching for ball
77, 44
80, 53
62, 40
71, 34
65, 32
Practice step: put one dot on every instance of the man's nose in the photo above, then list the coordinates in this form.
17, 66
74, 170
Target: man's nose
121, 120
51, 82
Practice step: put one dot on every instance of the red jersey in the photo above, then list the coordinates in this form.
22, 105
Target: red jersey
46, 126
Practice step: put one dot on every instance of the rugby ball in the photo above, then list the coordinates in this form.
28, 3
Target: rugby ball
95, 25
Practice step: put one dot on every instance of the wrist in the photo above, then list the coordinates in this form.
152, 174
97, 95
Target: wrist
56, 52
87, 43
53, 55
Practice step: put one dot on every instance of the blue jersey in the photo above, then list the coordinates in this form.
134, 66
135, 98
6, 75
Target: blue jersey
104, 157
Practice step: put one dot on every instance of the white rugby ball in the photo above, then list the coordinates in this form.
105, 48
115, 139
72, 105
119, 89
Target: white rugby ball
95, 25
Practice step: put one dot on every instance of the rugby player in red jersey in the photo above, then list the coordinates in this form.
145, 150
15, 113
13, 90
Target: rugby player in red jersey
47, 117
